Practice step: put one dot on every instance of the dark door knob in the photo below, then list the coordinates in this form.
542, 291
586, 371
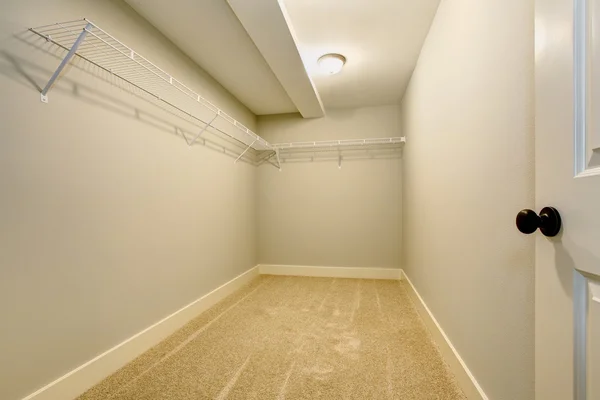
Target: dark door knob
548, 221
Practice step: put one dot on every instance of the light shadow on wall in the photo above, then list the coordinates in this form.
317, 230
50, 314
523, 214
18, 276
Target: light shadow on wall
147, 109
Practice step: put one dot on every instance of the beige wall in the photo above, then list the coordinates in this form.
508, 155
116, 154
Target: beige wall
468, 169
109, 222
314, 214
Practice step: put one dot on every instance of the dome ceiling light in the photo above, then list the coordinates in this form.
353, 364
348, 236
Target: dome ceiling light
331, 63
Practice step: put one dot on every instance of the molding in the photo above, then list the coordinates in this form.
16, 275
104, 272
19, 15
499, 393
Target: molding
463, 375
331, 272
581, 57
581, 296
87, 375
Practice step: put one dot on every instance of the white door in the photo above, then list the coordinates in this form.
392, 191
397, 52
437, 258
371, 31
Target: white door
567, 96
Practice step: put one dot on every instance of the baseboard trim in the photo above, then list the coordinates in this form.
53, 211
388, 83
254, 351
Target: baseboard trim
463, 375
87, 375
331, 272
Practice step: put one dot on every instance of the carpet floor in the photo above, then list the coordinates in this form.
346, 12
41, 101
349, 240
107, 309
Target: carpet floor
294, 338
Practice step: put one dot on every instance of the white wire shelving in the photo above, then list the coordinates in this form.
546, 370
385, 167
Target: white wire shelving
87, 40
294, 151
339, 143
90, 42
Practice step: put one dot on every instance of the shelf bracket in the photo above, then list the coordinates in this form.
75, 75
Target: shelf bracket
244, 152
278, 160
265, 158
64, 62
201, 132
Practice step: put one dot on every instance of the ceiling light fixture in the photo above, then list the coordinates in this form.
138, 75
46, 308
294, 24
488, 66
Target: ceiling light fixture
331, 63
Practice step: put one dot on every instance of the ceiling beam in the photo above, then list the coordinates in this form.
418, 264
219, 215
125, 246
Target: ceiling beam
268, 25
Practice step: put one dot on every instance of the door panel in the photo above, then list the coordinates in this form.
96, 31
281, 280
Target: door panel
587, 87
587, 335
567, 108
592, 338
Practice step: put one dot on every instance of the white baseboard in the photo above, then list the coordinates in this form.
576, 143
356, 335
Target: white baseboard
87, 375
463, 375
331, 272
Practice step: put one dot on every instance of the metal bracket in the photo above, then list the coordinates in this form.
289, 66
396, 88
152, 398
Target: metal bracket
270, 158
199, 133
244, 152
266, 158
64, 62
278, 160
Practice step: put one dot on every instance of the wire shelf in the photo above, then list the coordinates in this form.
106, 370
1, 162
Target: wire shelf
339, 143
88, 41
85, 39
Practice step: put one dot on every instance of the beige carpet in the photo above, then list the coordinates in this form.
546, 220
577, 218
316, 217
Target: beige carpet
294, 338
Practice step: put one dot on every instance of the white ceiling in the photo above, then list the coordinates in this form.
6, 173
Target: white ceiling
381, 40
210, 34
